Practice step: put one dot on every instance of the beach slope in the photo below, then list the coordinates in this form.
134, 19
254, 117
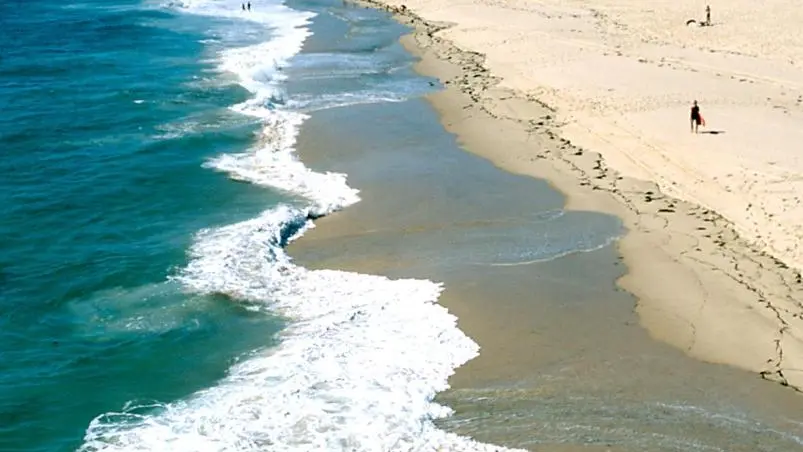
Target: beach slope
714, 218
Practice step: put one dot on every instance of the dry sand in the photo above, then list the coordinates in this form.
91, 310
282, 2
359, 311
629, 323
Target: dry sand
714, 219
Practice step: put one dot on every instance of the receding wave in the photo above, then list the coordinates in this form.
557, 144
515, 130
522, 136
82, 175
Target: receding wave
313, 66
388, 92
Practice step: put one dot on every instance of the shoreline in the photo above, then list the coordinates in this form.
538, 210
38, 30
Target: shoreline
699, 286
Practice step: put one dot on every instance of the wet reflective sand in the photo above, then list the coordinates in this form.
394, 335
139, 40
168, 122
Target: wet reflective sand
564, 364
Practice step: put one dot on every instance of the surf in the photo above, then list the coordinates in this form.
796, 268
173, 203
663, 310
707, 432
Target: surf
362, 356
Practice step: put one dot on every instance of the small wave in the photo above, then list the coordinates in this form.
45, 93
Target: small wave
273, 163
198, 125
111, 313
349, 373
313, 66
399, 89
176, 130
327, 101
584, 247
396, 91
213, 82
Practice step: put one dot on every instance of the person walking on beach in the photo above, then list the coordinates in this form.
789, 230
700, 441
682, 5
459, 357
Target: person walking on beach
708, 14
249, 6
243, 6
696, 118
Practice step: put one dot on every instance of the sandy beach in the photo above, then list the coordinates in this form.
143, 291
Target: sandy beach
564, 364
594, 97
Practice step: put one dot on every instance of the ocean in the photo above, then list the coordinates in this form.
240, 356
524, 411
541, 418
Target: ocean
237, 230
150, 187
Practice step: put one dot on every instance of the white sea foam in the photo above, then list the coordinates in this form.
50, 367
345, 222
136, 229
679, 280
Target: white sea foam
321, 66
363, 356
356, 370
272, 162
378, 92
326, 101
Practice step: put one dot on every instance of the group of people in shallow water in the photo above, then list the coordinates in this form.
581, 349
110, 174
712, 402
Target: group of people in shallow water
247, 6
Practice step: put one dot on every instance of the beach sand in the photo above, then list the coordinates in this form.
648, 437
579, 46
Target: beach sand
594, 97
564, 364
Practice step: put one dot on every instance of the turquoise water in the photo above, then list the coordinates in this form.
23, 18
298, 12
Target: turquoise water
151, 185
139, 279
106, 123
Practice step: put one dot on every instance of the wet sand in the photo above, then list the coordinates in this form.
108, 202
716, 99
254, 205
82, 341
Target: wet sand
700, 286
564, 363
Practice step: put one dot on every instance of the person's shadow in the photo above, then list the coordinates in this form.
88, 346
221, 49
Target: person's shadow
713, 132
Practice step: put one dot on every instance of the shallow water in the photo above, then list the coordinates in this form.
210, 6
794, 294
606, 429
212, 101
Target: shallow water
564, 364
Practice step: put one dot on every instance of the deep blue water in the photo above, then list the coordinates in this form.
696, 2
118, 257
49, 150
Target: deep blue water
106, 123
115, 115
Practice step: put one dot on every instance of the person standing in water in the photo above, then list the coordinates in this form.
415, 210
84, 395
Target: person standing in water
249, 6
696, 119
243, 6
